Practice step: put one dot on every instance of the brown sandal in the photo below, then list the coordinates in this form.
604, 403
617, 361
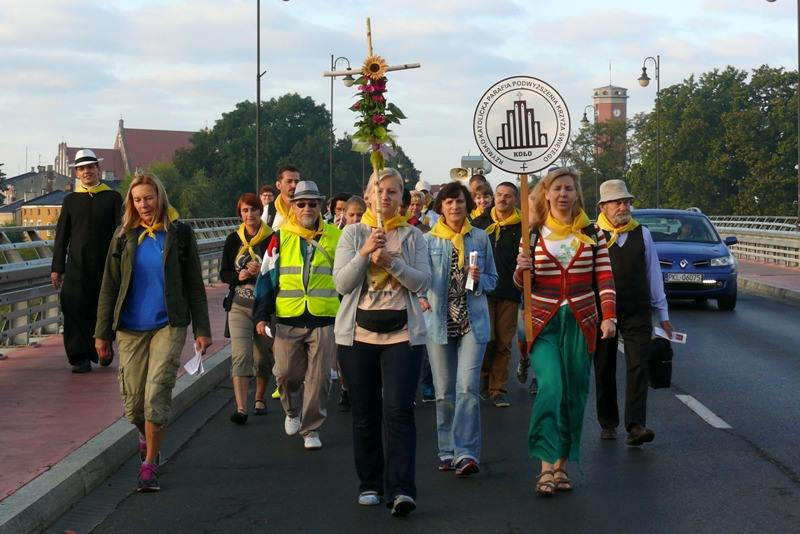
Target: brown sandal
562, 483
545, 488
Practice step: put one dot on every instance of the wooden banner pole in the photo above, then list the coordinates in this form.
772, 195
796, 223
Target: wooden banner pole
526, 245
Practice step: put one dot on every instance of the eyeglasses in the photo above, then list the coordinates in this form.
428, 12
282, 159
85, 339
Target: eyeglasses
310, 203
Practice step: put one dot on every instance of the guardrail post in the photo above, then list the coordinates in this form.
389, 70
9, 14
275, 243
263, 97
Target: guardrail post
24, 337
52, 311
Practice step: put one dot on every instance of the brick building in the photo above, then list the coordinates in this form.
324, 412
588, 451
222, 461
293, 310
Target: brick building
134, 148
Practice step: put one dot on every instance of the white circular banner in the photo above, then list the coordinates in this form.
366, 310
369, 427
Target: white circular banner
521, 125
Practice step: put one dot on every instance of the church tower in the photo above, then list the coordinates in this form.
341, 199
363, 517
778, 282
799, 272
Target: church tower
610, 103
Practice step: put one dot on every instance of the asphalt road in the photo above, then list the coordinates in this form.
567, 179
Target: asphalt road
744, 366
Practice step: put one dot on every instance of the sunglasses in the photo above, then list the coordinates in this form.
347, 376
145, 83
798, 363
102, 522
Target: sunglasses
310, 203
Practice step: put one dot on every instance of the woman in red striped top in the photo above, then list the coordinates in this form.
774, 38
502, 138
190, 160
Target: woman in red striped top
572, 272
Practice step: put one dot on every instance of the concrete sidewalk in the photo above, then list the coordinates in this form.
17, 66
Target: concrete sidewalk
58, 429
769, 280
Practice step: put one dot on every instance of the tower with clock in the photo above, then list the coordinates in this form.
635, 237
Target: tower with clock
610, 103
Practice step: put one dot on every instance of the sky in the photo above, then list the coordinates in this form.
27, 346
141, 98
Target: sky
70, 69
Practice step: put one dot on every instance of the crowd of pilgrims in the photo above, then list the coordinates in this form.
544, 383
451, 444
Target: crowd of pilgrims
394, 293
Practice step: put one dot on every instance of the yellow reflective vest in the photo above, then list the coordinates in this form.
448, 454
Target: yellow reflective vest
320, 296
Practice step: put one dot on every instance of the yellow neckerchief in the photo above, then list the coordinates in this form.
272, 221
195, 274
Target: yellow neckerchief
150, 231
282, 207
440, 229
494, 228
559, 230
263, 233
92, 190
476, 212
605, 224
371, 220
293, 227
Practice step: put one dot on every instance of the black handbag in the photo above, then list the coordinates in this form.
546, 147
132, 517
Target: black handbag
227, 302
659, 363
381, 321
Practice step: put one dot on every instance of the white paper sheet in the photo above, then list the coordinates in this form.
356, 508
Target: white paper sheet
473, 260
677, 337
195, 365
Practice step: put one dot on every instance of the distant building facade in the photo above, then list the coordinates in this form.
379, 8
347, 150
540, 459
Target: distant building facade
610, 103
43, 210
134, 148
39, 181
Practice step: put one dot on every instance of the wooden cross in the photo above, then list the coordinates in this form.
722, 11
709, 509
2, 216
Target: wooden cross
351, 72
359, 72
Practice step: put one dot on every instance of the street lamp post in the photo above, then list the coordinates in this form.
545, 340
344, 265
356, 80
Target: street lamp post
585, 124
348, 82
259, 74
798, 112
644, 81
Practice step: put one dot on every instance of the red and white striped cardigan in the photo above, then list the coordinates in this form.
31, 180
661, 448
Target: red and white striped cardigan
553, 283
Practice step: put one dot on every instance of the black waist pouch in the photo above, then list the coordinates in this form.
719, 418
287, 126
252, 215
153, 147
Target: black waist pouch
381, 321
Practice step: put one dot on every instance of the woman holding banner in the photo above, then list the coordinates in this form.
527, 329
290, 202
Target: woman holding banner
571, 272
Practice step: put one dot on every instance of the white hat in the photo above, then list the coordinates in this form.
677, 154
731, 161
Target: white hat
613, 190
422, 185
85, 157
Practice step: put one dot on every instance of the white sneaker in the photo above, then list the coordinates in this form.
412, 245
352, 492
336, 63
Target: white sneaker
291, 425
369, 498
312, 442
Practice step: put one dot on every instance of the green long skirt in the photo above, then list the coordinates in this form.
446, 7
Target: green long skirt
562, 364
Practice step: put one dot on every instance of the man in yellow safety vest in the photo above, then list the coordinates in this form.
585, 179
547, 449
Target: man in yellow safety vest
296, 287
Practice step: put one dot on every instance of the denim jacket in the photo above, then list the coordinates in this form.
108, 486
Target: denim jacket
440, 252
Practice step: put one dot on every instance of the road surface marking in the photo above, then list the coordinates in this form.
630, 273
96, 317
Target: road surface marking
705, 414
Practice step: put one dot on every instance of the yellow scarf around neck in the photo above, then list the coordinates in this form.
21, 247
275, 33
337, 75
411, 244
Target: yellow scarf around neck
440, 229
150, 231
370, 219
494, 228
559, 230
605, 224
263, 233
476, 212
293, 227
91, 191
282, 207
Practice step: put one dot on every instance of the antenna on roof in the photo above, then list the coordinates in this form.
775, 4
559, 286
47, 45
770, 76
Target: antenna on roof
609, 73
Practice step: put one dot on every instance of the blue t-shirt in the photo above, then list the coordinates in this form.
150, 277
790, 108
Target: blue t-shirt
145, 306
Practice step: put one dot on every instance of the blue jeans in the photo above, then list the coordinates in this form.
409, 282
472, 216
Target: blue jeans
456, 371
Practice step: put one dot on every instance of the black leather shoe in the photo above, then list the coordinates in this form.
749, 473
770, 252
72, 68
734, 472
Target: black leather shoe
639, 435
239, 418
84, 367
608, 433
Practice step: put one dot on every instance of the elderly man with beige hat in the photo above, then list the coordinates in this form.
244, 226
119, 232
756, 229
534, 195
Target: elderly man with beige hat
296, 287
640, 292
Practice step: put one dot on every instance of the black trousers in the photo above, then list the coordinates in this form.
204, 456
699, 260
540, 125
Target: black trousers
382, 382
636, 333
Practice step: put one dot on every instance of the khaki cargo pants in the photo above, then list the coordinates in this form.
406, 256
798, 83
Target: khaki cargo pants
148, 368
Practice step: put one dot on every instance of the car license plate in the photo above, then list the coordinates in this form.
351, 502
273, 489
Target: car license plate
685, 277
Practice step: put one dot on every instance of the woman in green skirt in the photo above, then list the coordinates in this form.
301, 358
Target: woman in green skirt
570, 272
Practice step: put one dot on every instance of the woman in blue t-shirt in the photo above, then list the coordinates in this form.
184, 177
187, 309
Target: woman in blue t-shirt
152, 289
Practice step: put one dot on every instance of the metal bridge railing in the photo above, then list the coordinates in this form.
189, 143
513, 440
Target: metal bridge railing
762, 238
29, 305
